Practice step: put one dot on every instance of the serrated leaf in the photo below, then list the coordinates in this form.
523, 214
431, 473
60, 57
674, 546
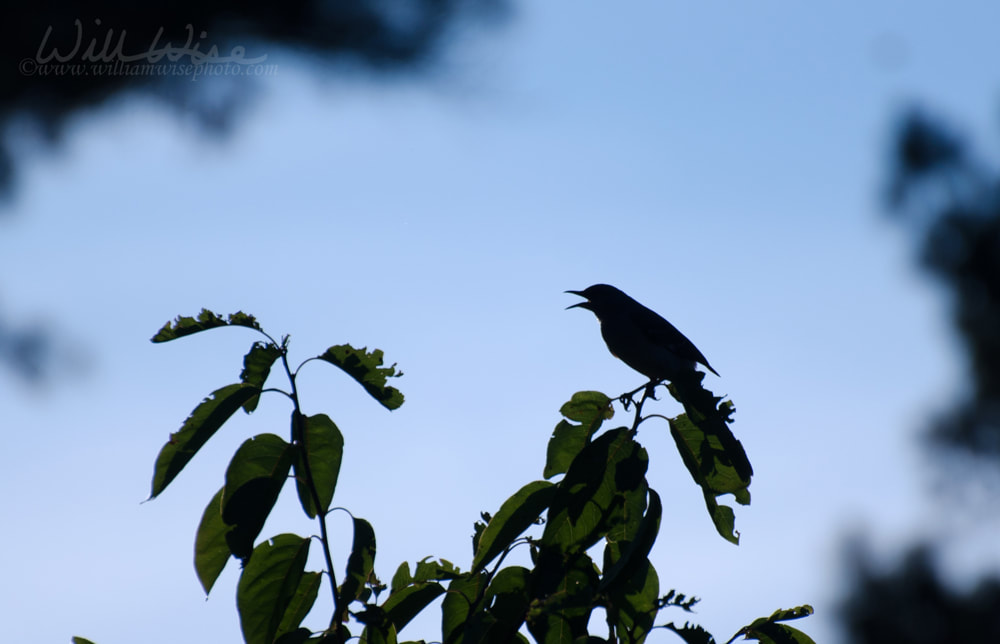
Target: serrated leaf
256, 368
323, 446
254, 480
268, 585
517, 514
182, 326
203, 422
366, 368
211, 552
691, 633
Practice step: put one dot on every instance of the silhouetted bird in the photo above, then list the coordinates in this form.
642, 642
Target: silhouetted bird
638, 336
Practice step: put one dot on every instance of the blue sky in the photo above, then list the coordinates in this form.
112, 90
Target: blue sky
720, 163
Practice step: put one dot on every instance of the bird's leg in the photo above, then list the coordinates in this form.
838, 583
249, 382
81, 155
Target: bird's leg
648, 391
627, 399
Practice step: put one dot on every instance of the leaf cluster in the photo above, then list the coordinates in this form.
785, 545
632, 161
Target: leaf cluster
589, 525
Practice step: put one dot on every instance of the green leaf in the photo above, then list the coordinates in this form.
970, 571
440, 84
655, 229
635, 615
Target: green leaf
459, 603
182, 326
593, 489
633, 602
256, 367
436, 570
507, 599
406, 603
566, 442
589, 409
636, 551
269, 583
323, 446
80, 640
254, 479
301, 603
401, 579
723, 518
298, 636
203, 422
366, 367
767, 629
517, 514
771, 633
785, 614
378, 628
561, 616
361, 563
709, 463
211, 552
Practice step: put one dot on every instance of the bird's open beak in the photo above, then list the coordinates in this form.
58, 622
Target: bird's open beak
584, 305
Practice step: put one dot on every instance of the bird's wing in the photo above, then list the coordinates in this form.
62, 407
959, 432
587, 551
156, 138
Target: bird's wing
659, 331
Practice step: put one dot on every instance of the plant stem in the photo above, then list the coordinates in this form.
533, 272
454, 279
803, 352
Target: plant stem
299, 436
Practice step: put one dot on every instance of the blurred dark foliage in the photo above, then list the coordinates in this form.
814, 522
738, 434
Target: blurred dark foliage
383, 34
952, 202
912, 604
36, 102
26, 349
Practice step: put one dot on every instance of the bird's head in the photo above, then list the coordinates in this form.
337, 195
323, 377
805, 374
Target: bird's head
599, 297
